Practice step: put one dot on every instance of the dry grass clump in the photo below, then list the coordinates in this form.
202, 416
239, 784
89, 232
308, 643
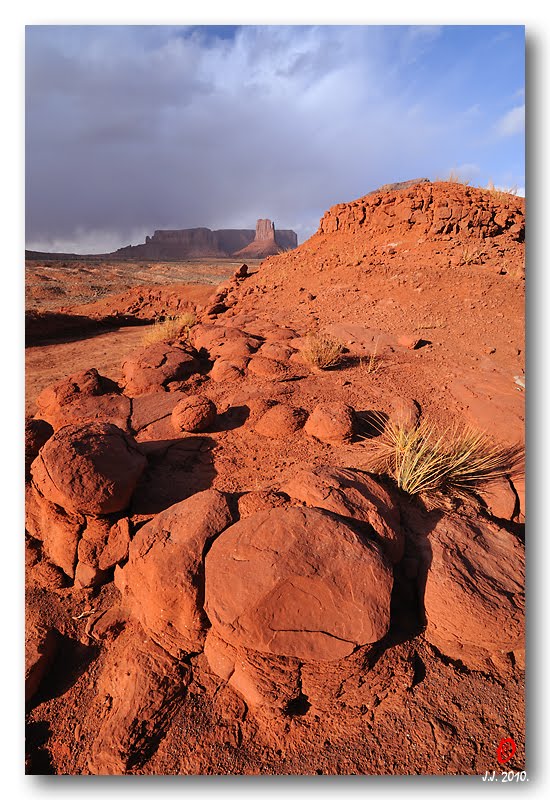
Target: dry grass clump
435, 463
371, 364
501, 194
168, 329
322, 351
471, 257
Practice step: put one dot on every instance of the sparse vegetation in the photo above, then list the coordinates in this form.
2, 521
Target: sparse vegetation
471, 257
499, 194
168, 329
436, 463
454, 177
322, 351
371, 364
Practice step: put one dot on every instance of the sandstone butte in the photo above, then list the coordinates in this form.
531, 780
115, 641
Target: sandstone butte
217, 583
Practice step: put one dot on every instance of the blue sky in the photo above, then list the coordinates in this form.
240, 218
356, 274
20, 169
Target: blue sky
133, 128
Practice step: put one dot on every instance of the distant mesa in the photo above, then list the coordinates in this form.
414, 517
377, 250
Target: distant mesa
170, 245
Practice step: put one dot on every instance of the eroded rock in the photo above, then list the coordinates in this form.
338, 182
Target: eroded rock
91, 469
299, 583
163, 582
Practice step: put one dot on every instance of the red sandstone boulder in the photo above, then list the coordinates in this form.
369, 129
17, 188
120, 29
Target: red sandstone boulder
333, 423
82, 384
92, 469
117, 545
297, 582
138, 691
354, 495
474, 595
113, 408
404, 412
194, 413
223, 371
37, 433
281, 421
163, 582
267, 368
219, 340
57, 529
152, 368
501, 500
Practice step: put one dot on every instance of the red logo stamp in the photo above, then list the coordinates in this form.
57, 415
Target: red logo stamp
506, 750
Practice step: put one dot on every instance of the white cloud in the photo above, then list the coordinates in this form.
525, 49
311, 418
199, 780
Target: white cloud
512, 122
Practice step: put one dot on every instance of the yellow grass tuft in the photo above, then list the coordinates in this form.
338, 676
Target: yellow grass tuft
436, 462
502, 195
371, 364
322, 351
471, 257
169, 329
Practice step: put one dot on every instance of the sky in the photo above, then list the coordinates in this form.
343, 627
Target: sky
133, 128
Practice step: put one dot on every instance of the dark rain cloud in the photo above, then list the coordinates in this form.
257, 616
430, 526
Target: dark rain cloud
129, 129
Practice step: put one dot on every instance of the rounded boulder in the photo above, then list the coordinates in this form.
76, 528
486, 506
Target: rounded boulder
297, 582
333, 423
92, 469
281, 421
194, 413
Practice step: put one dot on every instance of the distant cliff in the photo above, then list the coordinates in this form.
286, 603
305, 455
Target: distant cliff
204, 243
172, 245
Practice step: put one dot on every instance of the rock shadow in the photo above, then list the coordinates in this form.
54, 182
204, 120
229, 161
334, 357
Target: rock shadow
54, 327
177, 469
38, 760
233, 417
71, 660
370, 424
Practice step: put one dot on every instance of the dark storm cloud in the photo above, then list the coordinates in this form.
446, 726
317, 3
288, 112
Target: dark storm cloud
129, 129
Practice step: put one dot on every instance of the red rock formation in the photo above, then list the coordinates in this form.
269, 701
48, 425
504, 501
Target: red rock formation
264, 244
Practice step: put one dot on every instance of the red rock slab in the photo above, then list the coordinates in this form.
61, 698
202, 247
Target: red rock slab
297, 582
163, 582
58, 530
474, 595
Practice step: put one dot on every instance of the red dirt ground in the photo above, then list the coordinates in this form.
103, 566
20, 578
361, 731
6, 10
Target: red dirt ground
438, 266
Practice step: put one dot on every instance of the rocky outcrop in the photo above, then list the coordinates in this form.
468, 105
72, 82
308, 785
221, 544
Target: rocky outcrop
280, 583
474, 592
268, 242
154, 367
430, 209
163, 582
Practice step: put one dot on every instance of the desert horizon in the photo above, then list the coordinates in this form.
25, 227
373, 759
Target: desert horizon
274, 469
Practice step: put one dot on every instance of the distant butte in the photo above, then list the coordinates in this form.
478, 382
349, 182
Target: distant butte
168, 245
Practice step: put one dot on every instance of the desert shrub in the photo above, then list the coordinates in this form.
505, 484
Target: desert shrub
440, 462
471, 257
501, 194
322, 351
168, 329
